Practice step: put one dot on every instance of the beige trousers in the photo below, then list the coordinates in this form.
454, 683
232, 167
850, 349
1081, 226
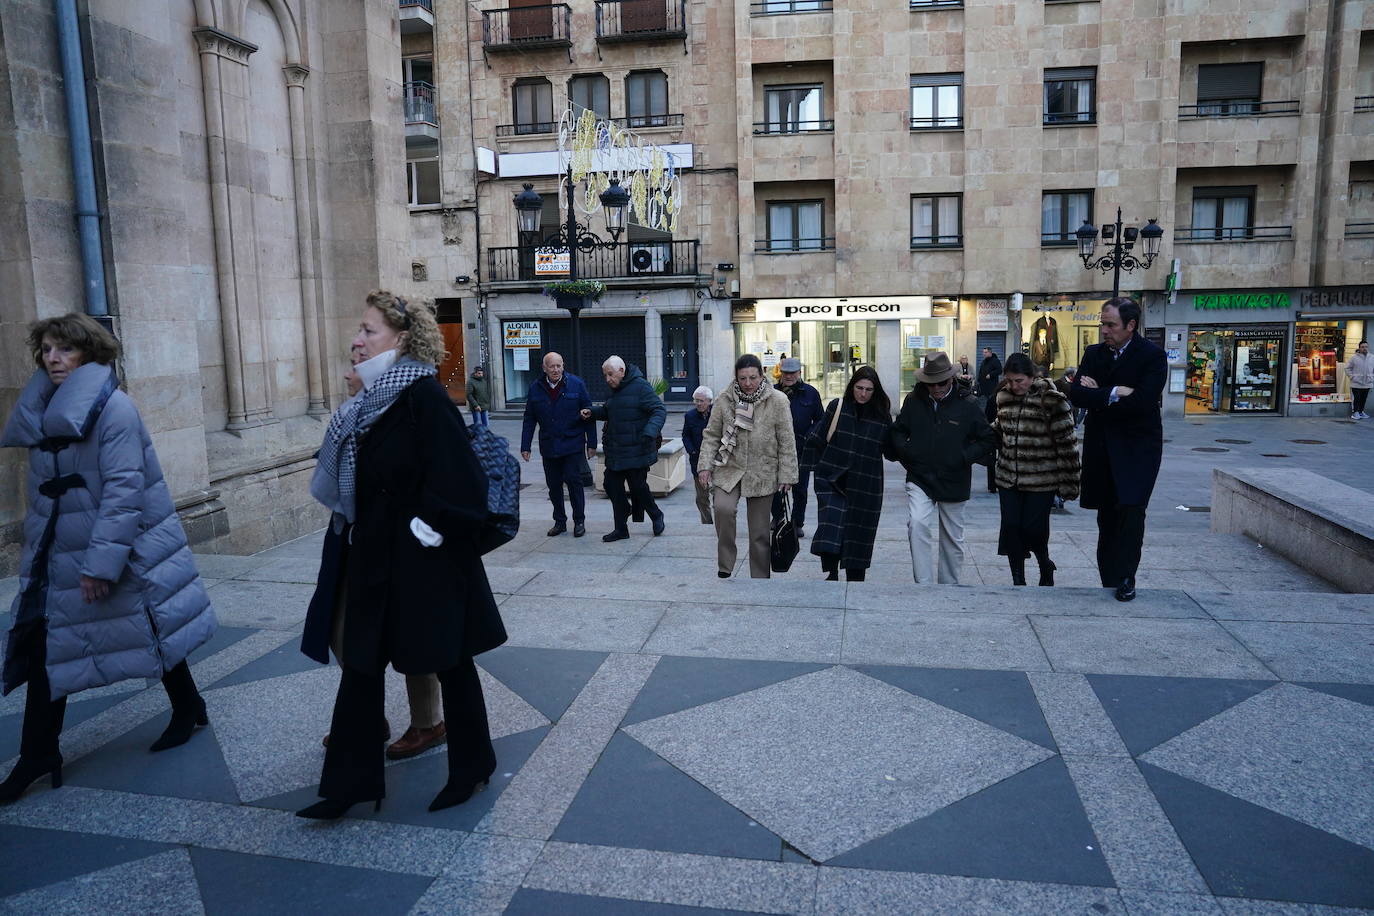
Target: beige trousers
922, 510
422, 690
758, 512
703, 500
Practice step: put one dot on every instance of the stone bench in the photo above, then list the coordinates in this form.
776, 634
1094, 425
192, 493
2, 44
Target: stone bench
665, 475
1323, 526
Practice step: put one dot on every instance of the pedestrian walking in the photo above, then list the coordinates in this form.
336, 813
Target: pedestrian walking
108, 589
749, 452
634, 418
938, 437
965, 375
554, 406
846, 451
1037, 462
693, 426
989, 374
1120, 382
408, 498
479, 397
805, 403
1360, 371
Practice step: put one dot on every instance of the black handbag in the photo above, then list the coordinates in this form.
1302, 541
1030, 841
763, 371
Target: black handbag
584, 469
784, 541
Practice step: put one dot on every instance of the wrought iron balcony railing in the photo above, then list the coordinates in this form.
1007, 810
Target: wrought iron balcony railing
1232, 233
1237, 108
614, 260
946, 123
1364, 103
786, 7
793, 246
419, 101
640, 20
525, 28
528, 129
426, 5
1359, 230
650, 120
764, 128
1070, 117
937, 241
936, 4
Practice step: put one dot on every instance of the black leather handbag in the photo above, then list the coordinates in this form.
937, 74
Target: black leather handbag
784, 541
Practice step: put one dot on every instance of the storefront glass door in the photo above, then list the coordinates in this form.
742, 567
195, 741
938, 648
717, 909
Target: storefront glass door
1233, 369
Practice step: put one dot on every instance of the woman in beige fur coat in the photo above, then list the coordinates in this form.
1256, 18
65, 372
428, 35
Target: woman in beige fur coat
747, 451
1037, 457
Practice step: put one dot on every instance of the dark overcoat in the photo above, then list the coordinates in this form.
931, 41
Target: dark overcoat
419, 609
807, 410
693, 425
562, 431
939, 448
1123, 443
634, 416
849, 483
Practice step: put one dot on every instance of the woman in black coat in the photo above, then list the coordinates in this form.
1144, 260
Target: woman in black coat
846, 454
409, 501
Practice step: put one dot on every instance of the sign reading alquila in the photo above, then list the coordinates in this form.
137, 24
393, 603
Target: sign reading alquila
851, 309
1211, 301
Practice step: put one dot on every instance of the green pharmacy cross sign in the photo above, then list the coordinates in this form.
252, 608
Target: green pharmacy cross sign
1227, 301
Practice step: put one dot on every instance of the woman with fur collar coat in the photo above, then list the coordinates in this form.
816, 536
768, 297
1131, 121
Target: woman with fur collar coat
1037, 458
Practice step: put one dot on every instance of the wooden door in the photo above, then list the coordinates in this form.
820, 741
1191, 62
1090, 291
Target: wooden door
453, 372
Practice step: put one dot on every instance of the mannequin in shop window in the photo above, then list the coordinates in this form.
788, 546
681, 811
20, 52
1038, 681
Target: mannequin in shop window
1045, 341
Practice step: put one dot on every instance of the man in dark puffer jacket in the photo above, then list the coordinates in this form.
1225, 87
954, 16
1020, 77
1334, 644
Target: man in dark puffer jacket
634, 416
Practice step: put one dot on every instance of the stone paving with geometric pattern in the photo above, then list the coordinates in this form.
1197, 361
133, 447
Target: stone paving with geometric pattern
669, 742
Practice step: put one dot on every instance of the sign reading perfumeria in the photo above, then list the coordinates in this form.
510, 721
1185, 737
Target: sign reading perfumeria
1227, 301
851, 309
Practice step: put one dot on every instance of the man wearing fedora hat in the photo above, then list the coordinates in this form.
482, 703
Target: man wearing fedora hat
938, 437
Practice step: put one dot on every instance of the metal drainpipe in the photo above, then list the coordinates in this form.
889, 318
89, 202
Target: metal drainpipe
83, 163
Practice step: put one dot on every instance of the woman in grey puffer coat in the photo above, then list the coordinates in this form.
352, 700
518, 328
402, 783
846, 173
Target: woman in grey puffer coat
108, 588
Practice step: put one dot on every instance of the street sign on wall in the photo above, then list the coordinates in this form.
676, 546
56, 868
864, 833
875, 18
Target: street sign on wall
992, 314
520, 335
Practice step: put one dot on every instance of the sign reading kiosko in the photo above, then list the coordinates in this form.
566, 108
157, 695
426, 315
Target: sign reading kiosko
851, 309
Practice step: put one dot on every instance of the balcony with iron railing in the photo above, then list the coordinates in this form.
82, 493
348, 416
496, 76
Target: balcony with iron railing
937, 241
417, 17
527, 28
422, 118
1364, 103
1191, 234
794, 246
527, 129
936, 4
1359, 230
788, 7
620, 21
637, 122
640, 261
1238, 108
772, 128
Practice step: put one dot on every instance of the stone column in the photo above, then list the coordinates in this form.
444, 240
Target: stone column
310, 312
653, 344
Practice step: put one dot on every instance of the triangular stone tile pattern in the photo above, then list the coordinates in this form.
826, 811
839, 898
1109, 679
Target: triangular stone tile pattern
1150, 710
229, 880
166, 878
35, 857
814, 758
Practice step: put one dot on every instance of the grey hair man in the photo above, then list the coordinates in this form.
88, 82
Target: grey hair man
634, 418
693, 426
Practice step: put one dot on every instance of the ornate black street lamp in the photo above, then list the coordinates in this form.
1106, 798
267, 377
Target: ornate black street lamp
1119, 256
572, 237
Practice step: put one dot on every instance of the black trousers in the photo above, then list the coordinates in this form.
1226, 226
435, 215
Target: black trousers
798, 499
637, 482
1025, 524
1360, 395
1120, 535
353, 763
566, 471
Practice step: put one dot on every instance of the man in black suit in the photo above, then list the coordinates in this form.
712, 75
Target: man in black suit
1120, 382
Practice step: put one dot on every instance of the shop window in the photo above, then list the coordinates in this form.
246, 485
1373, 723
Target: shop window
646, 99
1061, 213
590, 92
920, 338
1070, 95
936, 221
792, 109
1233, 369
422, 182
533, 100
1229, 89
830, 351
1223, 213
937, 101
797, 225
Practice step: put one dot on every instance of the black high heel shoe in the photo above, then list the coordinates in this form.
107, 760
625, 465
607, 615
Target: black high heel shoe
182, 726
331, 809
1047, 572
26, 771
451, 795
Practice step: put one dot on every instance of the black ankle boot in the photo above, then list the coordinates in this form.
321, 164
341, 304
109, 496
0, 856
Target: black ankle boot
26, 771
182, 726
1018, 570
1047, 569
331, 809
455, 793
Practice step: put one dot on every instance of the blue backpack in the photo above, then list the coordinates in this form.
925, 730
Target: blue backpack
503, 488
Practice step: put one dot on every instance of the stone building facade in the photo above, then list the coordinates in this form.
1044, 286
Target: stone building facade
247, 159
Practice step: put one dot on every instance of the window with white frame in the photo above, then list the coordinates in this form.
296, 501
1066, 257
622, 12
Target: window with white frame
937, 101
937, 220
1061, 213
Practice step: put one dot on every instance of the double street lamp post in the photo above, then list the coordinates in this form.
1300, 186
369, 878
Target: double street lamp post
1119, 256
572, 238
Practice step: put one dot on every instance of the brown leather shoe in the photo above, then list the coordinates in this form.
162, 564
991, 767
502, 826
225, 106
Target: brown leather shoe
417, 741
386, 732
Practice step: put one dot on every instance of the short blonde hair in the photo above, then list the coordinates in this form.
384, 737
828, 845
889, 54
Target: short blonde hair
415, 319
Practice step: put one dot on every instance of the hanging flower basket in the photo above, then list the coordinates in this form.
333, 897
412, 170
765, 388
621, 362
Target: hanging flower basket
589, 290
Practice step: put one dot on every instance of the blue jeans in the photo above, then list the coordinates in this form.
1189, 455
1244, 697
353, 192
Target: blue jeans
480, 417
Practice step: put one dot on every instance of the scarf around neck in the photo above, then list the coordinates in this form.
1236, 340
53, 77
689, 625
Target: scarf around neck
743, 420
335, 481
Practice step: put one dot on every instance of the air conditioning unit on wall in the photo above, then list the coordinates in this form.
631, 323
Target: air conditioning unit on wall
650, 257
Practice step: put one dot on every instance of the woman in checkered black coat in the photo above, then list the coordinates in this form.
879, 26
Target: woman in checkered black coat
846, 453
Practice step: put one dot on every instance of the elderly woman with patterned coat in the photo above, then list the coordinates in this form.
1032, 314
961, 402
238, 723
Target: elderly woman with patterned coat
1037, 459
108, 589
748, 452
409, 500
846, 451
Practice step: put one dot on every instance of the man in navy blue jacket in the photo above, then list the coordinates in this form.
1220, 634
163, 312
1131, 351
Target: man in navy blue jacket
566, 441
807, 411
